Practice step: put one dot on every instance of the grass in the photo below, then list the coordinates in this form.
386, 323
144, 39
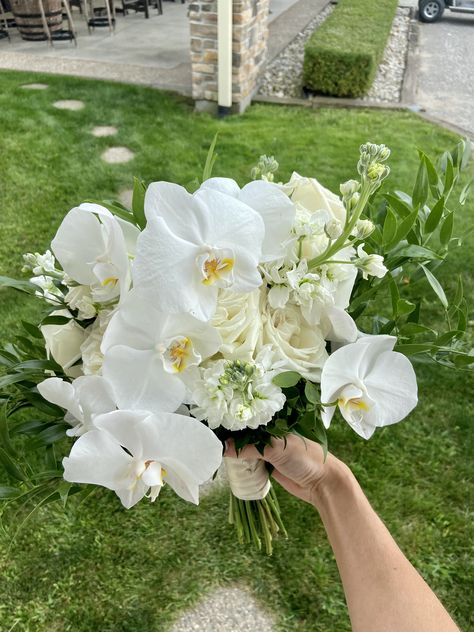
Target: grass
97, 566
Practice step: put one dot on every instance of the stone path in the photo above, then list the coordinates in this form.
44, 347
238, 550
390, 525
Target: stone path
226, 610
69, 104
34, 86
445, 70
104, 130
117, 155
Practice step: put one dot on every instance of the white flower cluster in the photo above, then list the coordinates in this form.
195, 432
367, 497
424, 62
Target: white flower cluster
221, 291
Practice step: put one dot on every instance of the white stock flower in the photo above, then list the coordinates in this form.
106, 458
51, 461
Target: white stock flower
135, 453
276, 210
199, 242
79, 297
39, 264
63, 343
299, 346
47, 289
85, 397
238, 394
372, 385
91, 247
92, 356
150, 355
237, 320
370, 265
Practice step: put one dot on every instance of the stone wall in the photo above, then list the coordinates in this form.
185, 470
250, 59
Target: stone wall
249, 47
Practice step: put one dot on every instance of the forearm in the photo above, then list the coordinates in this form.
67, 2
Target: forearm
383, 590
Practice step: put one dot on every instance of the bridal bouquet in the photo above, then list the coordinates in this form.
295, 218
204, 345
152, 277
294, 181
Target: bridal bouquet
224, 313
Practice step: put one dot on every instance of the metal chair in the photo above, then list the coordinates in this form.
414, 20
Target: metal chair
99, 13
4, 27
142, 5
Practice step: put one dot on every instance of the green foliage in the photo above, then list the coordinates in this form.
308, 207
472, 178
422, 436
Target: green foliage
343, 54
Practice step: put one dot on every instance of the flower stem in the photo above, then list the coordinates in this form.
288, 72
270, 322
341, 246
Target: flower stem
257, 520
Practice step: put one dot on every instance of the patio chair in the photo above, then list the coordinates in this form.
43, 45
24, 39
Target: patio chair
99, 14
142, 5
4, 26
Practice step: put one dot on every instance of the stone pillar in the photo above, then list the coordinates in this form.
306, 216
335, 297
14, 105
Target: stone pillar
249, 47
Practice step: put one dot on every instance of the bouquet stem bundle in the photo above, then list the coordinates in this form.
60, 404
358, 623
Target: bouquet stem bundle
257, 520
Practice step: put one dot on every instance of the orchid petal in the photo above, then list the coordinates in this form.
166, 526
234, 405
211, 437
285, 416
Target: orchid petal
140, 381
61, 393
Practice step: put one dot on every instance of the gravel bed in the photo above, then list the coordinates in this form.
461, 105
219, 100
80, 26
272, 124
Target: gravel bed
283, 77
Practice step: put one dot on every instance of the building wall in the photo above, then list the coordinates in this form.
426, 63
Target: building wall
249, 47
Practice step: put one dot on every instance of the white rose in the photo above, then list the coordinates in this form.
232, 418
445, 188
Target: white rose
237, 319
314, 197
300, 346
63, 343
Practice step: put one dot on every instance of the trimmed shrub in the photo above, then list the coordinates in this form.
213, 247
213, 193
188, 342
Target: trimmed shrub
343, 54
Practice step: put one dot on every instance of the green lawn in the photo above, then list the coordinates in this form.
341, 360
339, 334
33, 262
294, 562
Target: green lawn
99, 567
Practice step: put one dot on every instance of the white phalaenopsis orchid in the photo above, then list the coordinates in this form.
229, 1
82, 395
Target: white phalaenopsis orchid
372, 385
87, 396
134, 453
93, 248
149, 355
270, 202
195, 244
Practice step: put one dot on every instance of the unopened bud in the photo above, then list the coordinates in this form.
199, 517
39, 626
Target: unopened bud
333, 228
376, 171
349, 188
363, 228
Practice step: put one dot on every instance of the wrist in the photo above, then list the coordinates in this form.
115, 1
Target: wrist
337, 479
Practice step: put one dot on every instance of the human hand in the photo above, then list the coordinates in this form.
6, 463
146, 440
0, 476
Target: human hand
299, 464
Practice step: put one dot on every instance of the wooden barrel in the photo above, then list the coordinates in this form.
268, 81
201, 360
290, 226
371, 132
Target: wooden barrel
29, 20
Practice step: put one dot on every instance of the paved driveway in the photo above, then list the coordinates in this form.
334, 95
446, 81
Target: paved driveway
445, 78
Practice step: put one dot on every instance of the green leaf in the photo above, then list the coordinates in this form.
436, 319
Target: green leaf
465, 192
138, 202
55, 320
11, 466
413, 349
394, 294
408, 329
433, 177
389, 227
14, 378
436, 285
210, 160
413, 251
420, 190
448, 177
405, 307
32, 329
311, 393
464, 360
434, 217
401, 207
7, 493
446, 231
17, 284
403, 229
287, 379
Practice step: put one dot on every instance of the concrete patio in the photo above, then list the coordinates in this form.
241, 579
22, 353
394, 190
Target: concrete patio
154, 52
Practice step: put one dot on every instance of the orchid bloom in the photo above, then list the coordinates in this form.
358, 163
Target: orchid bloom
93, 249
270, 202
85, 397
149, 354
135, 453
372, 385
200, 242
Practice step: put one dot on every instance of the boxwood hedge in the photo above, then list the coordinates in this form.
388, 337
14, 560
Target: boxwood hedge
342, 55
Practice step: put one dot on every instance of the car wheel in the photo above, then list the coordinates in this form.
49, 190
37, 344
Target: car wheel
430, 10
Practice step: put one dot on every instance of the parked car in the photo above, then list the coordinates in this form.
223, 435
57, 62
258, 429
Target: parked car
432, 10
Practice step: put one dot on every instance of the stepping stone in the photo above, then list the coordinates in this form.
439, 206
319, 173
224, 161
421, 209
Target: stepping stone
226, 610
104, 130
117, 155
35, 86
125, 196
69, 104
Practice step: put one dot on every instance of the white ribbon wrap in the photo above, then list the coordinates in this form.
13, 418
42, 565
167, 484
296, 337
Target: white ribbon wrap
248, 478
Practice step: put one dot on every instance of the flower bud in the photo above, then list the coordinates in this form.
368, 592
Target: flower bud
333, 228
349, 188
363, 228
376, 171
